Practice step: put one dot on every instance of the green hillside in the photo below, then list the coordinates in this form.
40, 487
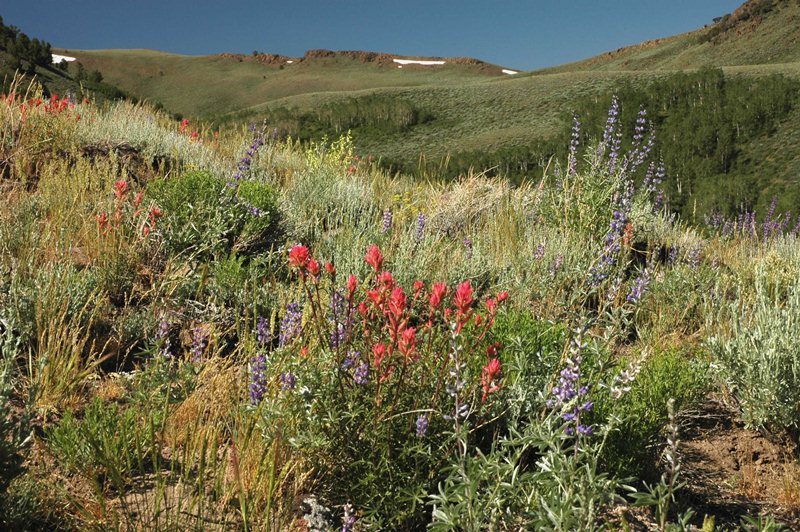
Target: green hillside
20, 53
466, 115
209, 86
758, 32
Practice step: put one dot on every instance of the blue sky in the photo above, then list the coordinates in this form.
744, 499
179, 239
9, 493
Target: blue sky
516, 33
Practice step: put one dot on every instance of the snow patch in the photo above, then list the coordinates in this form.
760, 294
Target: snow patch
290, 62
62, 58
417, 62
510, 72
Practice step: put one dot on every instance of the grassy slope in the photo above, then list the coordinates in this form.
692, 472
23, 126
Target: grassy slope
770, 39
208, 86
472, 110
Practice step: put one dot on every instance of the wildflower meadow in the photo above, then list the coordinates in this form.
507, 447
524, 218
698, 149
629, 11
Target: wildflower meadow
219, 329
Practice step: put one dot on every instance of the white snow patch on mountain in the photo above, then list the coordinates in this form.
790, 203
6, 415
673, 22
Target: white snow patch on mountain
62, 58
417, 62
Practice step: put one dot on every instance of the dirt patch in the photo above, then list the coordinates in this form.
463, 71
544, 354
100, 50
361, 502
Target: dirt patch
731, 471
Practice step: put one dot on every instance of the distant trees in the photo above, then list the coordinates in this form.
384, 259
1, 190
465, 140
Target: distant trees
22, 47
704, 123
367, 116
703, 120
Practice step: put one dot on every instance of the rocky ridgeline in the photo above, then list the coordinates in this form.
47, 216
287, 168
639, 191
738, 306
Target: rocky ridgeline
361, 56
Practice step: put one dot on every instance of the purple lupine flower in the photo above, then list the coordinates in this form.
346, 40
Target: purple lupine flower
694, 256
608, 258
659, 201
538, 254
263, 335
574, 144
784, 224
672, 256
337, 319
420, 229
387, 221
163, 328
639, 151
291, 326
568, 396
639, 287
258, 378
648, 147
288, 381
613, 157
728, 228
422, 425
661, 173
769, 226
162, 337
641, 126
349, 520
242, 169
350, 360
199, 343
468, 247
361, 374
611, 122
556, 265
647, 182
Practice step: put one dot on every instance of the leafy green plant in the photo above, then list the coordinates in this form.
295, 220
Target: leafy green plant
368, 378
632, 450
757, 356
106, 446
204, 217
15, 427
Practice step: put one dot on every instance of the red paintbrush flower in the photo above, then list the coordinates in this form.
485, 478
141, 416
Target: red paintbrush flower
491, 372
463, 298
438, 292
352, 284
298, 257
378, 353
408, 342
120, 189
374, 257
313, 269
385, 278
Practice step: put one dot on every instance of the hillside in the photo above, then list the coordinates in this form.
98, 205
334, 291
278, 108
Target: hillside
453, 116
209, 86
758, 32
34, 58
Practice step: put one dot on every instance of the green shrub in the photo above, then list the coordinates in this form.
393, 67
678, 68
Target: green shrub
373, 396
203, 216
106, 446
632, 450
533, 348
758, 359
14, 432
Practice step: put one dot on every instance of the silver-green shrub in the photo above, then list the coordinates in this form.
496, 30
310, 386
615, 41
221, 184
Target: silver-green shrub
759, 358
